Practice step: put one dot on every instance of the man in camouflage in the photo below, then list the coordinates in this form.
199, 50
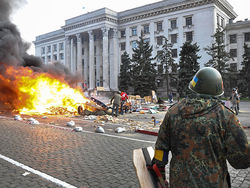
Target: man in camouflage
201, 134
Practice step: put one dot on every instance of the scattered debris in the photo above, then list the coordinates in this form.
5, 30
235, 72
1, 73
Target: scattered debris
151, 111
146, 132
78, 129
26, 173
90, 117
44, 117
33, 121
120, 129
71, 124
18, 118
99, 129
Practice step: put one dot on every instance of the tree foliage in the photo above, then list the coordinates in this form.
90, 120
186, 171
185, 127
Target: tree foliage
143, 72
188, 66
167, 62
245, 72
125, 74
218, 53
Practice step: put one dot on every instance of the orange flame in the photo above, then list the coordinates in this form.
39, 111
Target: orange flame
38, 93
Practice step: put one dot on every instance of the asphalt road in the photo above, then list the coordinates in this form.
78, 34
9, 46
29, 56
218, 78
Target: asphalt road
52, 155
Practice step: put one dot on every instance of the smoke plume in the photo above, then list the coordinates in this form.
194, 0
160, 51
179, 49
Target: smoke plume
13, 51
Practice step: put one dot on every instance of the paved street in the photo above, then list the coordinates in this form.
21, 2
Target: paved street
52, 155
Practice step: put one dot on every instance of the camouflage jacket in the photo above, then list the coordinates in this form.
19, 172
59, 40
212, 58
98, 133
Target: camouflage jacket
201, 134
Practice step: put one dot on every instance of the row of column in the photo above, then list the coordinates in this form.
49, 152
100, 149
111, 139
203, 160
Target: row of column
109, 61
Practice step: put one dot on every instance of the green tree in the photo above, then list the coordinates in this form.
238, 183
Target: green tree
125, 76
188, 66
166, 60
143, 72
218, 53
245, 72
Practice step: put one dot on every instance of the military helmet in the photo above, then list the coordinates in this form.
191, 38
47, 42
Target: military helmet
207, 81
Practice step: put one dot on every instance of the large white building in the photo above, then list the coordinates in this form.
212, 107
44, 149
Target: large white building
92, 44
237, 34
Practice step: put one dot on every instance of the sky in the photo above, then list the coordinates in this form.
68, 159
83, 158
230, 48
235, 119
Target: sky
38, 17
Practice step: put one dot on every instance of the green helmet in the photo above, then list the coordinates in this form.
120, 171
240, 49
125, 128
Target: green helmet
207, 81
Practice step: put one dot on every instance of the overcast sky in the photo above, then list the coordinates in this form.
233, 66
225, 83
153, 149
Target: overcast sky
38, 17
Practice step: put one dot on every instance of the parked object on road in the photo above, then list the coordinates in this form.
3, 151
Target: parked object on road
99, 129
120, 130
78, 129
71, 124
18, 118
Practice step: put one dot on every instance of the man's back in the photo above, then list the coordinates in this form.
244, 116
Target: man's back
201, 135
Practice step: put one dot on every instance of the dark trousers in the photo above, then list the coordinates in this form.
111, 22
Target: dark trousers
116, 109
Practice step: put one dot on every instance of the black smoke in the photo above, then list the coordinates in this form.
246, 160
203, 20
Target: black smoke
13, 50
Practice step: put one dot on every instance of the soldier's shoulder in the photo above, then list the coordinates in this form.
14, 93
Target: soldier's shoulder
225, 107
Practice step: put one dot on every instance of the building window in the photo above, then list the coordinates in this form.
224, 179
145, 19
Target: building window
247, 37
61, 46
146, 29
189, 36
173, 38
134, 44
233, 67
147, 40
159, 26
82, 51
160, 68
218, 20
48, 49
43, 50
55, 47
123, 46
61, 56
233, 38
189, 21
174, 53
159, 40
134, 31
123, 33
233, 52
222, 22
55, 57
173, 24
48, 58
43, 59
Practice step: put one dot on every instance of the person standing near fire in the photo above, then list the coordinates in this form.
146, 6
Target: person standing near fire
116, 99
202, 135
124, 98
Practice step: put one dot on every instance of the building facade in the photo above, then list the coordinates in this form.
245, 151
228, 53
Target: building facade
237, 34
92, 44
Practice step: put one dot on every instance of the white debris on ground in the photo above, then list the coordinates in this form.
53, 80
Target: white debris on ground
78, 129
99, 129
71, 124
18, 118
120, 130
90, 117
33, 121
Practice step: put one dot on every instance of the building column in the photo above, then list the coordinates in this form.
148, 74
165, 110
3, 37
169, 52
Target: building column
114, 61
105, 61
91, 61
57, 53
79, 54
71, 54
67, 53
98, 62
86, 62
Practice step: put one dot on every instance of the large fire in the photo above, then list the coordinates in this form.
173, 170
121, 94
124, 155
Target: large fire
38, 93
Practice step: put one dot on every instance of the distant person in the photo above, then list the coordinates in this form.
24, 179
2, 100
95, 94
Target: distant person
202, 135
116, 99
238, 101
234, 98
170, 97
124, 98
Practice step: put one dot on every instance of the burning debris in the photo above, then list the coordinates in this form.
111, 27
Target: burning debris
27, 86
